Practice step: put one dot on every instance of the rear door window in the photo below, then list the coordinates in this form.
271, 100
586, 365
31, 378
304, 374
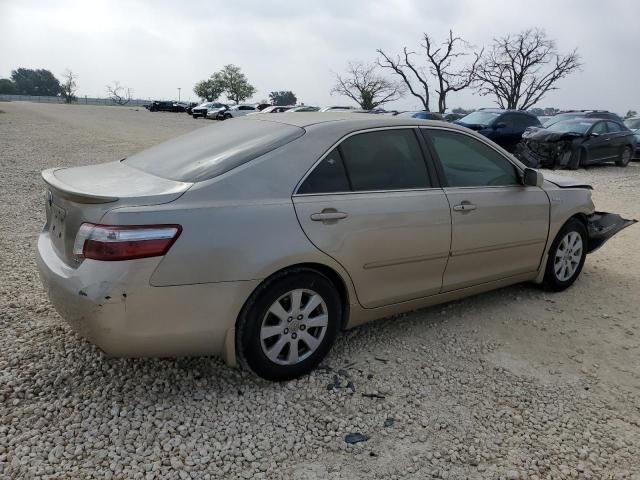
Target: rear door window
384, 160
329, 176
613, 127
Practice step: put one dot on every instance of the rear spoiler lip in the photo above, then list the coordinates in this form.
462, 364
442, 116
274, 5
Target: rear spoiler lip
71, 193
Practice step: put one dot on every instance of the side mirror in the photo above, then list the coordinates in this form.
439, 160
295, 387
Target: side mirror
594, 134
499, 125
532, 178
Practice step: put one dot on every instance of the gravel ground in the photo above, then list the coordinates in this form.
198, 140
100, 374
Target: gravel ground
513, 384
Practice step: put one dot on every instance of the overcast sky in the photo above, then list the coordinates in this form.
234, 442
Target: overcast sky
157, 46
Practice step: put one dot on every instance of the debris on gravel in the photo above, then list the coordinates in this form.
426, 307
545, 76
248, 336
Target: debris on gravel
353, 438
468, 385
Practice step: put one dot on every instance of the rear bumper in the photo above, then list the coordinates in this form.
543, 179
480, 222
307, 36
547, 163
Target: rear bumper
113, 305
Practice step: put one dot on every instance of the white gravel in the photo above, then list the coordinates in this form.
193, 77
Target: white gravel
514, 384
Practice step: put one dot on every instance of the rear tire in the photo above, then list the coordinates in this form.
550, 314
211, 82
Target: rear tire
625, 156
288, 324
566, 256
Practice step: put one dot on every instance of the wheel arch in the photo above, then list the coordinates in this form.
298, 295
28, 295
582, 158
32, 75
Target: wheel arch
230, 353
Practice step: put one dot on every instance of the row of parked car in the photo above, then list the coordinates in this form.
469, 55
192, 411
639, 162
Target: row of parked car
568, 140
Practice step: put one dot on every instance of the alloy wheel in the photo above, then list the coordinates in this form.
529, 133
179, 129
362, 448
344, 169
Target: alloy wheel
568, 256
294, 326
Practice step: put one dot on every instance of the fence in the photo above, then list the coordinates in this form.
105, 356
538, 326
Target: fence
81, 100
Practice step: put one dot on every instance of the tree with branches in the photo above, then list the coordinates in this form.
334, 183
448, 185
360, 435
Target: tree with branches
443, 64
120, 95
521, 69
366, 87
68, 88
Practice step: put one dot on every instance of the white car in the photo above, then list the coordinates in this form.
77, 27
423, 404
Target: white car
215, 109
237, 111
336, 109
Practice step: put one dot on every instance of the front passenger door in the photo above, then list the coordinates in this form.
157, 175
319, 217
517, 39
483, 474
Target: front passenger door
499, 226
598, 145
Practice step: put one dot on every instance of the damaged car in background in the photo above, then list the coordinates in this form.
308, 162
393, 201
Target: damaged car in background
577, 143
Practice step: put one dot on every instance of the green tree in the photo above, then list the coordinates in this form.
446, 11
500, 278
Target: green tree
68, 88
35, 82
283, 97
7, 87
210, 89
236, 86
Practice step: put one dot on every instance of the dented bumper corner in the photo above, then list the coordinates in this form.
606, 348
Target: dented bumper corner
113, 305
601, 226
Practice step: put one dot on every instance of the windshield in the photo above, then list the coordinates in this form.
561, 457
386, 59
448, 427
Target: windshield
570, 126
559, 118
632, 123
211, 151
480, 118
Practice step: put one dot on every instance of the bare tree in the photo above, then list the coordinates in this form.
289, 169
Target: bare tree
443, 64
68, 88
366, 87
520, 69
408, 72
120, 95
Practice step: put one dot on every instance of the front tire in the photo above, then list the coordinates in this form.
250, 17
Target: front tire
566, 256
625, 157
289, 324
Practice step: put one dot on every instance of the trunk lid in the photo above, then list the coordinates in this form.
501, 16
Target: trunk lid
85, 194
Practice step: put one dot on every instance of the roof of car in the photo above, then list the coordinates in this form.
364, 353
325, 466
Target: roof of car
587, 119
354, 120
501, 110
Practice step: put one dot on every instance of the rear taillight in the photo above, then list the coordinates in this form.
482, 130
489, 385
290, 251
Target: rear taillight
111, 243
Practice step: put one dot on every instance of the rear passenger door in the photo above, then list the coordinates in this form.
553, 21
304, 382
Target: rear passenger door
499, 225
374, 206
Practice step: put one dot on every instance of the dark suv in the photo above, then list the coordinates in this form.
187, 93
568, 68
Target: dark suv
604, 114
504, 127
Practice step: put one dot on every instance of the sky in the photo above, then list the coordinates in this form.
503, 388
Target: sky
156, 47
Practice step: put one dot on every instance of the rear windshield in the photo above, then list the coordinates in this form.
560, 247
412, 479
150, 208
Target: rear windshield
212, 151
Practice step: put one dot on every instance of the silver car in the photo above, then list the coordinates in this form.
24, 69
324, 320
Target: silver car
260, 239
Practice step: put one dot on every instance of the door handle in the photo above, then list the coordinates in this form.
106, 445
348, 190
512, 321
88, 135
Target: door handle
324, 216
464, 207
328, 215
